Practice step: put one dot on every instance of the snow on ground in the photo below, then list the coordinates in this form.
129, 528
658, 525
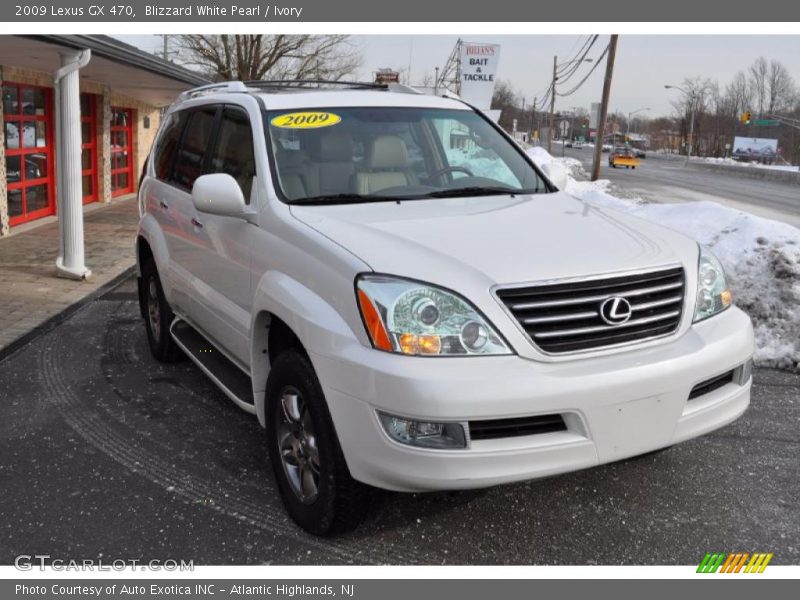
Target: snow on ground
736, 163
761, 257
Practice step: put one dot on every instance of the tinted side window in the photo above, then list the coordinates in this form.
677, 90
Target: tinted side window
189, 165
233, 152
168, 145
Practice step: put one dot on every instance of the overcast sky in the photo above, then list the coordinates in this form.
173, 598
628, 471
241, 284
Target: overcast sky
644, 63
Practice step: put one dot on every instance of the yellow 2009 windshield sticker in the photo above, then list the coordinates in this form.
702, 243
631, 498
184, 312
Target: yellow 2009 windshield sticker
306, 120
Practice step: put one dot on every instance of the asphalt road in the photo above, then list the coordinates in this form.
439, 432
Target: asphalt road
661, 179
106, 453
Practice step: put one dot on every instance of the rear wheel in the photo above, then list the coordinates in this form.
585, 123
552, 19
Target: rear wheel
310, 470
158, 315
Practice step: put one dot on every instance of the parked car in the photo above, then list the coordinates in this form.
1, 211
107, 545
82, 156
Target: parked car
622, 156
606, 148
403, 314
639, 153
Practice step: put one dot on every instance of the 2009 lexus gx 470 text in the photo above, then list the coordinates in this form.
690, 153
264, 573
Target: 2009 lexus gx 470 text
406, 301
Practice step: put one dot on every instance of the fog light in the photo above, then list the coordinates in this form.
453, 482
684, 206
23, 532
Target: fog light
744, 372
424, 434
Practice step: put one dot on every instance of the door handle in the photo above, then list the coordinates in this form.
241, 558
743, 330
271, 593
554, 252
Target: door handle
197, 223
163, 205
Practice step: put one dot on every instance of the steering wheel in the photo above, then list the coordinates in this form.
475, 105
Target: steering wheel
452, 169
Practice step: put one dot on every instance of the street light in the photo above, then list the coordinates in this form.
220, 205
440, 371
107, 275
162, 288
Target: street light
550, 122
630, 114
691, 119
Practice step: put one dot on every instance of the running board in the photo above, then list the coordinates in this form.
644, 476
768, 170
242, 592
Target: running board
233, 382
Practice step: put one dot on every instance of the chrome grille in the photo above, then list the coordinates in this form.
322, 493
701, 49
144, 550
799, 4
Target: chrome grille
565, 317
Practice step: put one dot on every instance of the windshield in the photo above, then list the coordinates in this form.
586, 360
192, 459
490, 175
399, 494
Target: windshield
340, 155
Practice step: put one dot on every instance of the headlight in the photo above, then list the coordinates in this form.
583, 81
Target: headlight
713, 295
415, 318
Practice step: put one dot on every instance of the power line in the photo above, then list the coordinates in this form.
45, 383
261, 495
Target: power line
575, 45
578, 62
589, 74
565, 65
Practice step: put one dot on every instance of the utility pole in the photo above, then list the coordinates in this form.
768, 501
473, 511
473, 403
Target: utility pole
550, 122
533, 120
601, 125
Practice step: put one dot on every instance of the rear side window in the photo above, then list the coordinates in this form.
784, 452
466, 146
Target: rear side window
191, 155
233, 151
164, 157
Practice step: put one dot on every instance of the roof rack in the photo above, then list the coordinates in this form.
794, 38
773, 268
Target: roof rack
223, 86
288, 84
313, 83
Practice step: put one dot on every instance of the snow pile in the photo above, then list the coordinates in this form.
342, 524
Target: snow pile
761, 258
738, 163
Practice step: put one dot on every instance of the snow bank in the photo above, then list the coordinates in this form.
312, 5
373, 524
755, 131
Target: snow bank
761, 257
737, 163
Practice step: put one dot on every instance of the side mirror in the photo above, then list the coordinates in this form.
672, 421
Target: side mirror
557, 174
218, 194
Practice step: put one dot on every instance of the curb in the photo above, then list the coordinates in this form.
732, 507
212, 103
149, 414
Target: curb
54, 321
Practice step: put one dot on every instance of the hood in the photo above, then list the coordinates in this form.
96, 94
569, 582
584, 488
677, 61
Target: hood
499, 239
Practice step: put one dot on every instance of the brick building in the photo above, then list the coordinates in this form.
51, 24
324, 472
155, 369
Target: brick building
122, 90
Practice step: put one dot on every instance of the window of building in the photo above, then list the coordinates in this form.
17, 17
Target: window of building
27, 121
122, 148
89, 147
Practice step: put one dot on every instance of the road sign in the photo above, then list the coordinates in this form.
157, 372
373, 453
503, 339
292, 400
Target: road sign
766, 122
564, 127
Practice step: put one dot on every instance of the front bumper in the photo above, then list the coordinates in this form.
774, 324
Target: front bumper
614, 406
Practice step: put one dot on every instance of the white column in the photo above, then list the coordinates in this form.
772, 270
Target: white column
70, 261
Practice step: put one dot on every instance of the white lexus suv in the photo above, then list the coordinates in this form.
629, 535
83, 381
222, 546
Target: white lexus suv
405, 301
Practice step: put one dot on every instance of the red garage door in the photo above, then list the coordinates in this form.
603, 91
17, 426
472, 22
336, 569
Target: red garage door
28, 123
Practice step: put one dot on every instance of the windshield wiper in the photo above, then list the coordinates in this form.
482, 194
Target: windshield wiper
341, 199
478, 191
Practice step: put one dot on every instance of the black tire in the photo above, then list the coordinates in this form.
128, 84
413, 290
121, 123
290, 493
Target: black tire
329, 500
158, 315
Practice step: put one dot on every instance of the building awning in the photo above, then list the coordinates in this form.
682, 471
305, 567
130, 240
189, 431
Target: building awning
124, 68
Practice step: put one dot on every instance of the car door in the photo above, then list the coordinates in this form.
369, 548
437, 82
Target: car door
168, 205
184, 239
220, 261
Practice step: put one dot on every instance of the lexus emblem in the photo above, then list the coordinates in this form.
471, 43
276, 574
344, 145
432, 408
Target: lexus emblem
615, 310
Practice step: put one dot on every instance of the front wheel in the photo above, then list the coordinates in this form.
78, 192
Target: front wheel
310, 470
158, 315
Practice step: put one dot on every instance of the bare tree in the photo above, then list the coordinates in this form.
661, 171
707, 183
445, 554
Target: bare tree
780, 87
256, 57
739, 94
505, 99
758, 82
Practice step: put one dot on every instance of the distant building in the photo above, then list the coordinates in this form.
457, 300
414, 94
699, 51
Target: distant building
387, 76
122, 89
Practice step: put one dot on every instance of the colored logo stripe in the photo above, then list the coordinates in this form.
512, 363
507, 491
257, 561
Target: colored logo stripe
734, 562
